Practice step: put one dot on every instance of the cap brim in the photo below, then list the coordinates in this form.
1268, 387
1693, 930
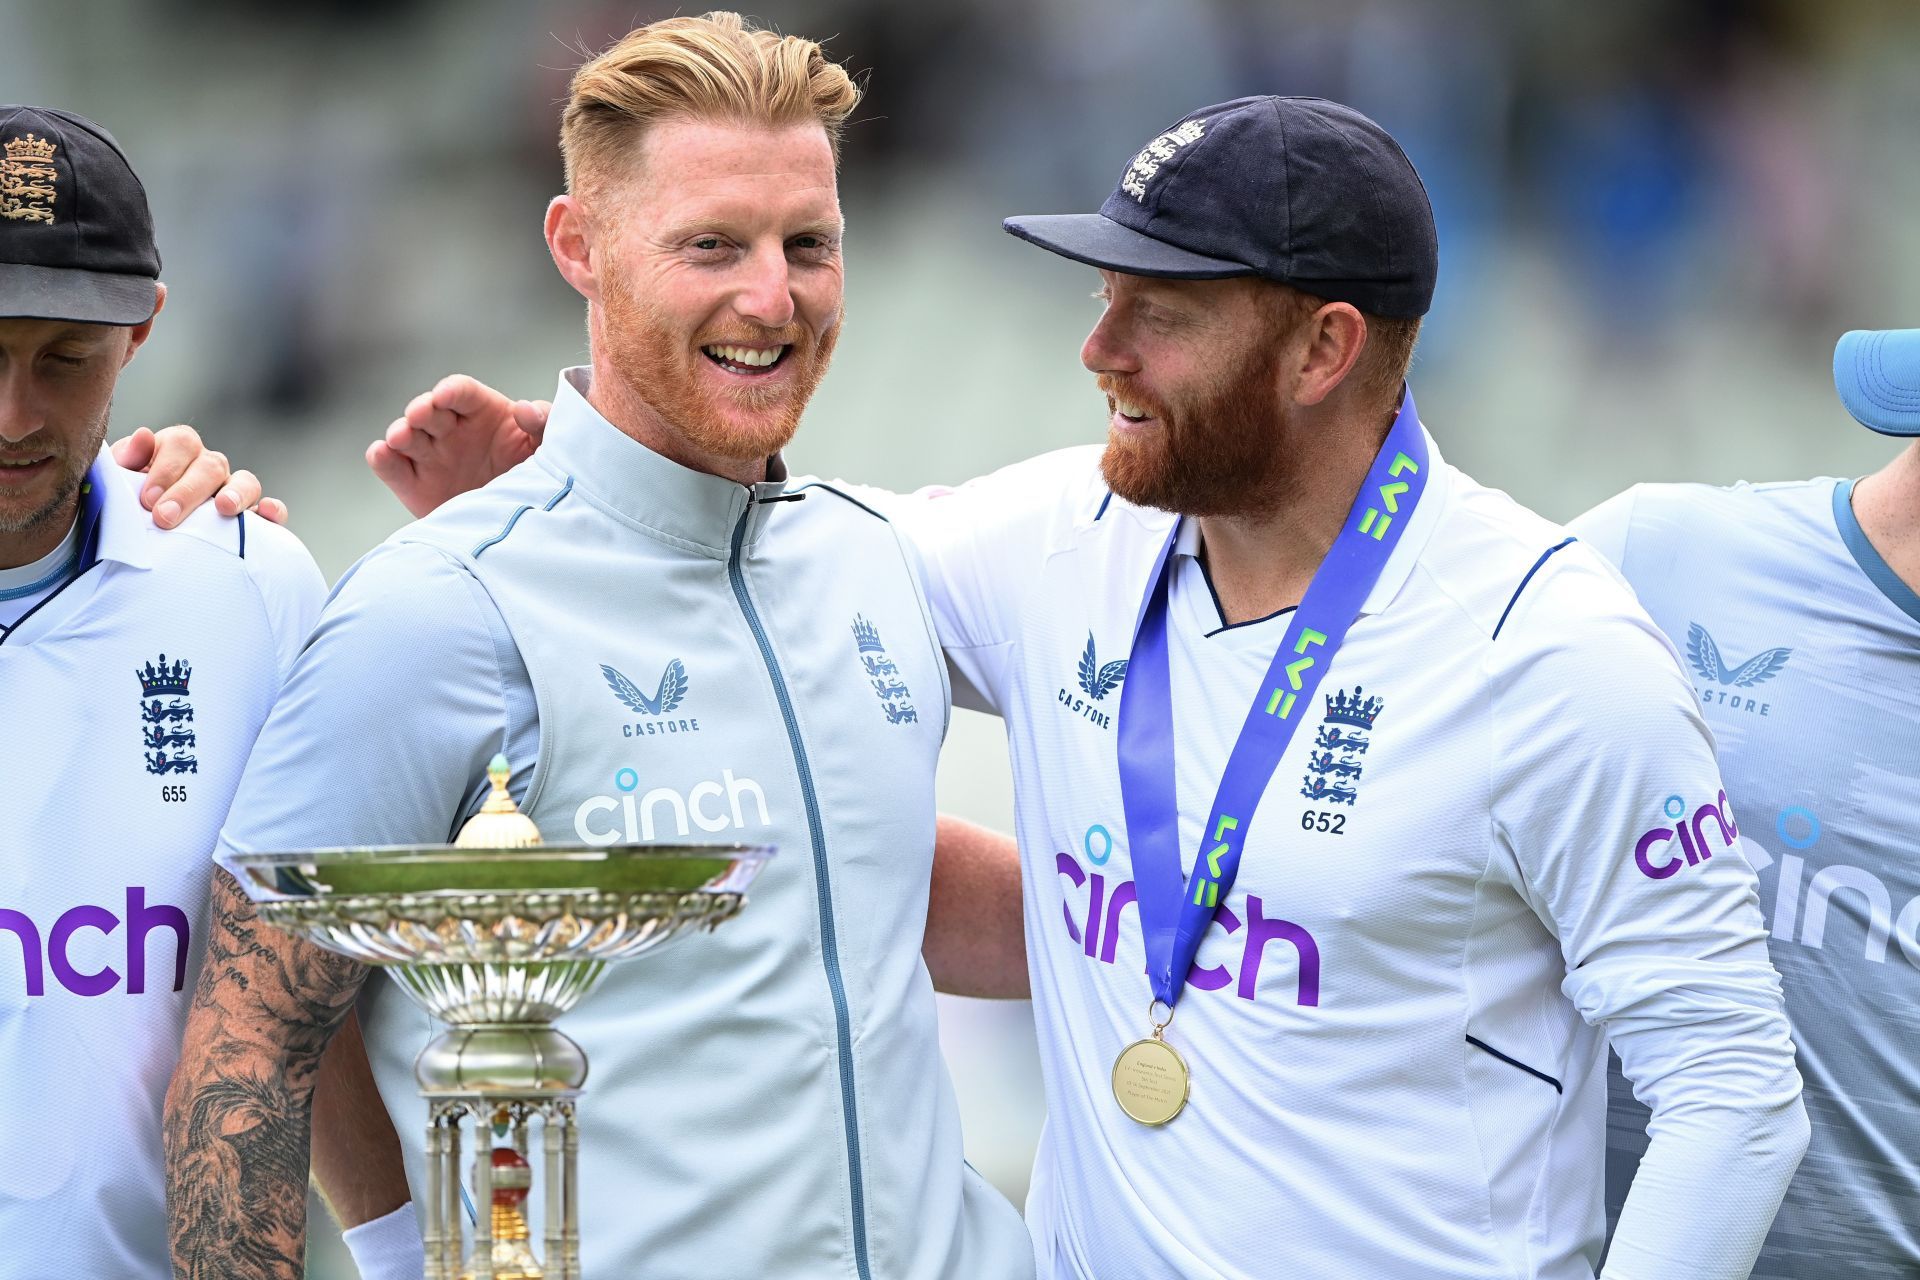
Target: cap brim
82, 297
1099, 241
1877, 373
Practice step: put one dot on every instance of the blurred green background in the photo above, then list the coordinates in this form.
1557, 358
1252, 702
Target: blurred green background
1655, 219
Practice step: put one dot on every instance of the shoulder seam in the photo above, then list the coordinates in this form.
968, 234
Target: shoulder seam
514, 519
1515, 597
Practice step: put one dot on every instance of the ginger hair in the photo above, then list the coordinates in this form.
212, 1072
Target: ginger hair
717, 67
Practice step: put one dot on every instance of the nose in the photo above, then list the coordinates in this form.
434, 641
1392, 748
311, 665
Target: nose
20, 414
1108, 348
766, 292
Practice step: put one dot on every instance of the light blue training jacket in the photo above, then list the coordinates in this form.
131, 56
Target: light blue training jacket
706, 662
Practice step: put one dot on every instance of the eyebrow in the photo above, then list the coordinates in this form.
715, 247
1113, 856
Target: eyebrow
728, 219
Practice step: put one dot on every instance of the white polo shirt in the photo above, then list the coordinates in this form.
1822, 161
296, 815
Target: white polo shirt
132, 694
1465, 870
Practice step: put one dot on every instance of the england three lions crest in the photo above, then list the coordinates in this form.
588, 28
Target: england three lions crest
26, 180
1339, 748
166, 716
883, 673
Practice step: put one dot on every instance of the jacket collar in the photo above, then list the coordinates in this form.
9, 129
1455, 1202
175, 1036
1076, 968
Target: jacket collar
693, 509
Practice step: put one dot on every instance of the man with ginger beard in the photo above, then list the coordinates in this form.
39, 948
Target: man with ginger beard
1412, 805
669, 639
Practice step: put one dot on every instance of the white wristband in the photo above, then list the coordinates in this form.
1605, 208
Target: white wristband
388, 1248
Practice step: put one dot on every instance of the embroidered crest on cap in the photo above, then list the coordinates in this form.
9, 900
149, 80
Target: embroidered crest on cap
26, 180
1157, 153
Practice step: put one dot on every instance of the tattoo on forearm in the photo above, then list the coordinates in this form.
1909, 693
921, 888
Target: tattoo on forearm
238, 1111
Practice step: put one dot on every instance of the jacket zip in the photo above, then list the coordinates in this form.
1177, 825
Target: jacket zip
823, 889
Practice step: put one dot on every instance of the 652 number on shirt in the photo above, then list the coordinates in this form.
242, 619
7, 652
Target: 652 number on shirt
1320, 820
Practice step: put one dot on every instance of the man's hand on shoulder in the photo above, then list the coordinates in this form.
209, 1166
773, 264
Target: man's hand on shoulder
182, 473
456, 437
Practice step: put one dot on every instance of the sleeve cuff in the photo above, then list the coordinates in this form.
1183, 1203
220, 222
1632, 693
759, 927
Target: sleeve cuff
388, 1248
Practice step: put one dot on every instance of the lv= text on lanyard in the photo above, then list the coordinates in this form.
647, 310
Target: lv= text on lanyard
1150, 1079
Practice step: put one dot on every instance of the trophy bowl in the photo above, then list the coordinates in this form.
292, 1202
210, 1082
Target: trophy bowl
497, 937
492, 935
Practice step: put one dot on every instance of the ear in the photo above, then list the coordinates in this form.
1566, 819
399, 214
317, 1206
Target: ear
1336, 335
570, 241
138, 334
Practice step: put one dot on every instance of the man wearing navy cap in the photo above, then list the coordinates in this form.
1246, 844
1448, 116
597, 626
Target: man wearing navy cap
135, 669
1796, 605
1384, 784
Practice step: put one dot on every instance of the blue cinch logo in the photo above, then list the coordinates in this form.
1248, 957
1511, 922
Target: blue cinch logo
669, 695
883, 674
165, 712
1334, 766
1098, 681
1704, 654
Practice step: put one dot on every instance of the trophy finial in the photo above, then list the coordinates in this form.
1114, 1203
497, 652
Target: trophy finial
499, 824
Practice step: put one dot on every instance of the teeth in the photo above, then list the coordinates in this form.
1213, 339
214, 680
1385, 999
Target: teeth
745, 356
1129, 410
15, 462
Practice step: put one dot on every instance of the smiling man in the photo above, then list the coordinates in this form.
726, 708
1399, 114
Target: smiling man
1385, 783
670, 639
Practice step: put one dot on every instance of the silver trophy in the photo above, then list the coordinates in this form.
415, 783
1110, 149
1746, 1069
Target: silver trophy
497, 935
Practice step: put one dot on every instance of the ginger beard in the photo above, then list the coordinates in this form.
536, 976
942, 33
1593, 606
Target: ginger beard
20, 513
1218, 453
742, 423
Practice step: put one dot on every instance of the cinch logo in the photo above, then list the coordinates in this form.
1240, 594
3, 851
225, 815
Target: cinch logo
1704, 656
141, 920
1801, 903
670, 693
1096, 926
1096, 681
1690, 833
639, 814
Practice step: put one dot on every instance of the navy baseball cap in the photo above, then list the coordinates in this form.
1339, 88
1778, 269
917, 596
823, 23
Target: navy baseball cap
1877, 373
1299, 190
76, 237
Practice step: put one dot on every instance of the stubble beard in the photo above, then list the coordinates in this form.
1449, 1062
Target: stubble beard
73, 472
1219, 455
651, 360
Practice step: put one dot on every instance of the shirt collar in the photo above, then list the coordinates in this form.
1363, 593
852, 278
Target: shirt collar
647, 488
113, 524
1868, 557
1406, 553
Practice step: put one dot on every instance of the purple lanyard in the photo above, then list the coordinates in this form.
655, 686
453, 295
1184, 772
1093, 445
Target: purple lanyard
1171, 920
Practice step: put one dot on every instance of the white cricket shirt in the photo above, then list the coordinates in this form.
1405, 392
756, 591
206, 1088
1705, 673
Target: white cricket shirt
1463, 873
129, 699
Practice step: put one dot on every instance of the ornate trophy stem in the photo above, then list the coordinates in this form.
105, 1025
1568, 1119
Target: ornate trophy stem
498, 935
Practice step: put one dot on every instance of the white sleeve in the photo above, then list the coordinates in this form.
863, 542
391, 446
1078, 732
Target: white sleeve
1609, 802
388, 1248
981, 548
292, 590
1607, 527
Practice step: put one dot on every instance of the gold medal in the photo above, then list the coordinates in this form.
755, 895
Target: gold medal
1150, 1078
